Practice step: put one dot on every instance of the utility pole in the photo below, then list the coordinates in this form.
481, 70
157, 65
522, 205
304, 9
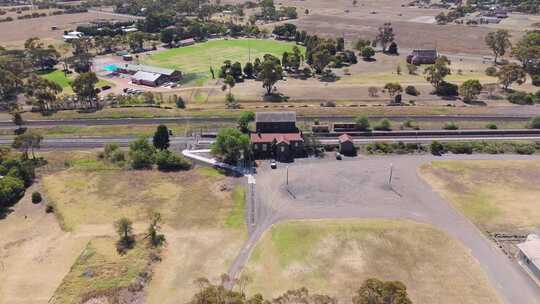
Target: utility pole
391, 172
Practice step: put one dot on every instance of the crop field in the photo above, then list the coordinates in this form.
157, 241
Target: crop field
195, 60
496, 195
336, 257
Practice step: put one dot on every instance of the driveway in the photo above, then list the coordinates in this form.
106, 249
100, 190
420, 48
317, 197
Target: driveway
359, 188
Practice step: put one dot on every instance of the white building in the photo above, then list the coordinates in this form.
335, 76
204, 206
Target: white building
529, 254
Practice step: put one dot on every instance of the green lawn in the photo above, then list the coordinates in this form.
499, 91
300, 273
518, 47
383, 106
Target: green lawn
60, 78
195, 60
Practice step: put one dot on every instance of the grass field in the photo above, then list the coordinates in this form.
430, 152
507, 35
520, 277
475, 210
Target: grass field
100, 271
61, 79
336, 257
195, 60
94, 193
496, 195
202, 209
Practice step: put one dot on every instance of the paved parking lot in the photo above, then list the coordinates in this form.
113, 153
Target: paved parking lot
359, 188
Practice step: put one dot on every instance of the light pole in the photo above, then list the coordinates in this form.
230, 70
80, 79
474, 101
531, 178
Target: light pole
287, 175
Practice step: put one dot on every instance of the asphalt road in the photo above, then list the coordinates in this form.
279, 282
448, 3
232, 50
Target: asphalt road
359, 188
216, 119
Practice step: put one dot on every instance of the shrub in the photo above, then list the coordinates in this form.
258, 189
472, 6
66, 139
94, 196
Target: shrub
411, 90
412, 69
384, 125
520, 98
536, 80
180, 103
141, 153
436, 148
459, 148
362, 123
447, 89
526, 149
118, 156
167, 161
36, 197
491, 71
491, 126
11, 190
49, 209
535, 123
109, 149
451, 126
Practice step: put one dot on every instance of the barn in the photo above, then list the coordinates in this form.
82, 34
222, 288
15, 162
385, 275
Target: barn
149, 75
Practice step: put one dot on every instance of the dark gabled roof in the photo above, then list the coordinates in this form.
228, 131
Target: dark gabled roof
275, 117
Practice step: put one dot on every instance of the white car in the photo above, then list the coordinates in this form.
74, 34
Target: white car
273, 164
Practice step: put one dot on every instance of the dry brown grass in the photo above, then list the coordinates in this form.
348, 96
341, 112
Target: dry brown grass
336, 257
496, 195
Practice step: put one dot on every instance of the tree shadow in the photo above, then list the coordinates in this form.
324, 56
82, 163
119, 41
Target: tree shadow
275, 97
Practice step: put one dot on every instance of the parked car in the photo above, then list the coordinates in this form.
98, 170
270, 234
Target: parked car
273, 164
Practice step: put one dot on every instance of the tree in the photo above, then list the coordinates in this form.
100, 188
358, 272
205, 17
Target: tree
17, 120
229, 82
84, 86
161, 138
470, 89
124, 229
393, 88
491, 88
244, 120
28, 141
360, 44
436, 73
136, 41
271, 73
393, 48
374, 291
367, 53
340, 44
231, 145
498, 42
156, 238
373, 91
42, 92
167, 36
141, 154
527, 51
9, 85
510, 73
436, 148
320, 60
362, 123
385, 35
248, 70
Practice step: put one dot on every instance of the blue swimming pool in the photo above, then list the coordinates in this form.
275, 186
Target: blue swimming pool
110, 67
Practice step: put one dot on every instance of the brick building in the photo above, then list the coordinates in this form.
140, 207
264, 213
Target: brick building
276, 136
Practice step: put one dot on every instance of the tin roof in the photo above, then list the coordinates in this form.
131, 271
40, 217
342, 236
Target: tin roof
147, 68
275, 117
146, 76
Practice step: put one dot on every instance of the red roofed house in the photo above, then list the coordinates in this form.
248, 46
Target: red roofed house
346, 145
277, 136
